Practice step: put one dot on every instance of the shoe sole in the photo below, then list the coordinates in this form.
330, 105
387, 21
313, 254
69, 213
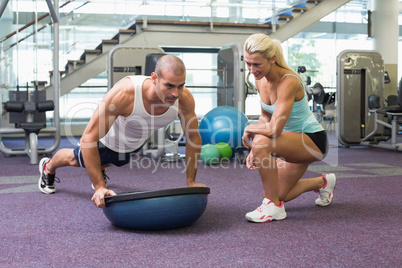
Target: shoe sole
43, 189
267, 219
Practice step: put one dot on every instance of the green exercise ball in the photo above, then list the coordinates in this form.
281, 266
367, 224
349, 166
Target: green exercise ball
209, 154
225, 151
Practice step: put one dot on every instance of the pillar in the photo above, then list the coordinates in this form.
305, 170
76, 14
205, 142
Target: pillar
385, 33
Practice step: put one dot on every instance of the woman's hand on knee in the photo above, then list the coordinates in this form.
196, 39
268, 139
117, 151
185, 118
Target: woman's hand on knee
250, 161
247, 137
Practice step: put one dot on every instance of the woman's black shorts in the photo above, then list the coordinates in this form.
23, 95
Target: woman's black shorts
321, 140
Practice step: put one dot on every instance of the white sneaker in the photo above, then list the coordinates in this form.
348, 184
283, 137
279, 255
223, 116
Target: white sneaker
326, 192
267, 212
46, 181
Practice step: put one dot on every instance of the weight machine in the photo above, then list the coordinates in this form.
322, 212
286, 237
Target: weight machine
363, 116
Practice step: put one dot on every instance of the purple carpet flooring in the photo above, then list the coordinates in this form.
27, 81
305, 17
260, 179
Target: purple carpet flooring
361, 228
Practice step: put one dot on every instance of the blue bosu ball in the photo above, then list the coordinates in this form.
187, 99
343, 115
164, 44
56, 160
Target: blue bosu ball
157, 210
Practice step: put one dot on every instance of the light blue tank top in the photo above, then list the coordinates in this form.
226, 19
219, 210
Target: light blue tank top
301, 118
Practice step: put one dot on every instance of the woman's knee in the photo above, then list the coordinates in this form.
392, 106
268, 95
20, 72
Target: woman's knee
261, 146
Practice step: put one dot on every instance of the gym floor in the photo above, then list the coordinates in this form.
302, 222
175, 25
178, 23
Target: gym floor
361, 228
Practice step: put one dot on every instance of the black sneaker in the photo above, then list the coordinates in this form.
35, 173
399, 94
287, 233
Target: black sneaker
105, 178
46, 181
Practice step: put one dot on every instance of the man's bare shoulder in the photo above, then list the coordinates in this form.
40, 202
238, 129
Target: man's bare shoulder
186, 95
125, 85
186, 101
121, 96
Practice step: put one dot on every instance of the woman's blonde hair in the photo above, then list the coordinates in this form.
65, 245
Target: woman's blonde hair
268, 47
